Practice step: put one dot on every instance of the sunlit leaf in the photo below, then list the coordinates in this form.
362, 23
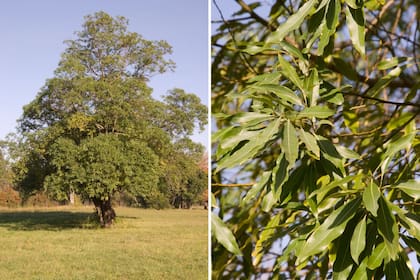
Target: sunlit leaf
411, 187
320, 112
224, 235
292, 23
266, 234
370, 198
329, 230
310, 142
358, 240
378, 255
356, 24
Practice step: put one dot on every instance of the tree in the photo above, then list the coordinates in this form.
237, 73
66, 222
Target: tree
94, 128
316, 157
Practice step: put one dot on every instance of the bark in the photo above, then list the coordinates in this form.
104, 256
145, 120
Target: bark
105, 211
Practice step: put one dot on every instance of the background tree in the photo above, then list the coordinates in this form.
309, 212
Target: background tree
316, 156
94, 128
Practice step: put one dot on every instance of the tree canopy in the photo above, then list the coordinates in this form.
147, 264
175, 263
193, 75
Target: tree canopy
316, 153
95, 128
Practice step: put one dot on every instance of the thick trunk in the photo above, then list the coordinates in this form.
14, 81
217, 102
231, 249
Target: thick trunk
105, 211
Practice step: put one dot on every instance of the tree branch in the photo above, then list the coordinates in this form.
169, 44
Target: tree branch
382, 100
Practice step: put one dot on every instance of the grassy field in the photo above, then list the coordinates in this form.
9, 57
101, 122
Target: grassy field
64, 243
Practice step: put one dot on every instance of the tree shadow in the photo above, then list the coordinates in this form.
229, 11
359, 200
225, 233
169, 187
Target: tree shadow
47, 220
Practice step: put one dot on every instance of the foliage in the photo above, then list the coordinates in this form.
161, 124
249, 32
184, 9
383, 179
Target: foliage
94, 128
316, 157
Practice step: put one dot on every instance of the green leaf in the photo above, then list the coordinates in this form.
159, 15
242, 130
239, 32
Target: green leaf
324, 190
356, 24
345, 68
403, 271
224, 235
282, 92
388, 228
320, 112
332, 228
346, 152
378, 255
244, 118
267, 233
280, 175
251, 148
289, 144
391, 62
411, 187
310, 142
257, 188
370, 198
361, 271
311, 85
290, 72
384, 82
292, 23
358, 240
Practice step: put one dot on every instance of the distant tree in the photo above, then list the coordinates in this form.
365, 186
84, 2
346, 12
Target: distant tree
94, 128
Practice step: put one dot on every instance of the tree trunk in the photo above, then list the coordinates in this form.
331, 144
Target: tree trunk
105, 211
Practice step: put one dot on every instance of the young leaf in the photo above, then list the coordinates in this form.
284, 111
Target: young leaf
370, 198
356, 24
292, 23
358, 240
224, 235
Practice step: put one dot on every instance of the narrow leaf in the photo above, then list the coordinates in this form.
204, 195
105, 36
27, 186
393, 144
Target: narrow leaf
257, 188
292, 23
265, 237
290, 72
320, 112
370, 198
377, 256
310, 142
251, 148
332, 228
358, 241
391, 62
224, 235
411, 187
289, 144
356, 24
280, 91
388, 228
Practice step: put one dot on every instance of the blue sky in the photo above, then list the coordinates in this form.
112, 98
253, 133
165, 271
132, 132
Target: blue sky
32, 34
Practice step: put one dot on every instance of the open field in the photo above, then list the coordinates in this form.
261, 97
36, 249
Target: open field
64, 243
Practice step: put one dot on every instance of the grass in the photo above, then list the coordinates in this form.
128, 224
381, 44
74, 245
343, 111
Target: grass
66, 243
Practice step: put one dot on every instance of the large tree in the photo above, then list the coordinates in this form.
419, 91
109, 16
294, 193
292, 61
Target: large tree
94, 128
316, 158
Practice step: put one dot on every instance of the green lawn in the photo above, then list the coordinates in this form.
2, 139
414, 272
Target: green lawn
64, 243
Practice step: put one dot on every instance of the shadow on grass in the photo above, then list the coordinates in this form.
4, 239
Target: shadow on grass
49, 220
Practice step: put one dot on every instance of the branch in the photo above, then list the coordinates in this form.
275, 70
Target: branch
232, 185
382, 100
256, 16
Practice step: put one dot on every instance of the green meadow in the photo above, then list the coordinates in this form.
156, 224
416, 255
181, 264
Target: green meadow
67, 243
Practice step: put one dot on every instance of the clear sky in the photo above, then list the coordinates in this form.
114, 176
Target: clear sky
32, 35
